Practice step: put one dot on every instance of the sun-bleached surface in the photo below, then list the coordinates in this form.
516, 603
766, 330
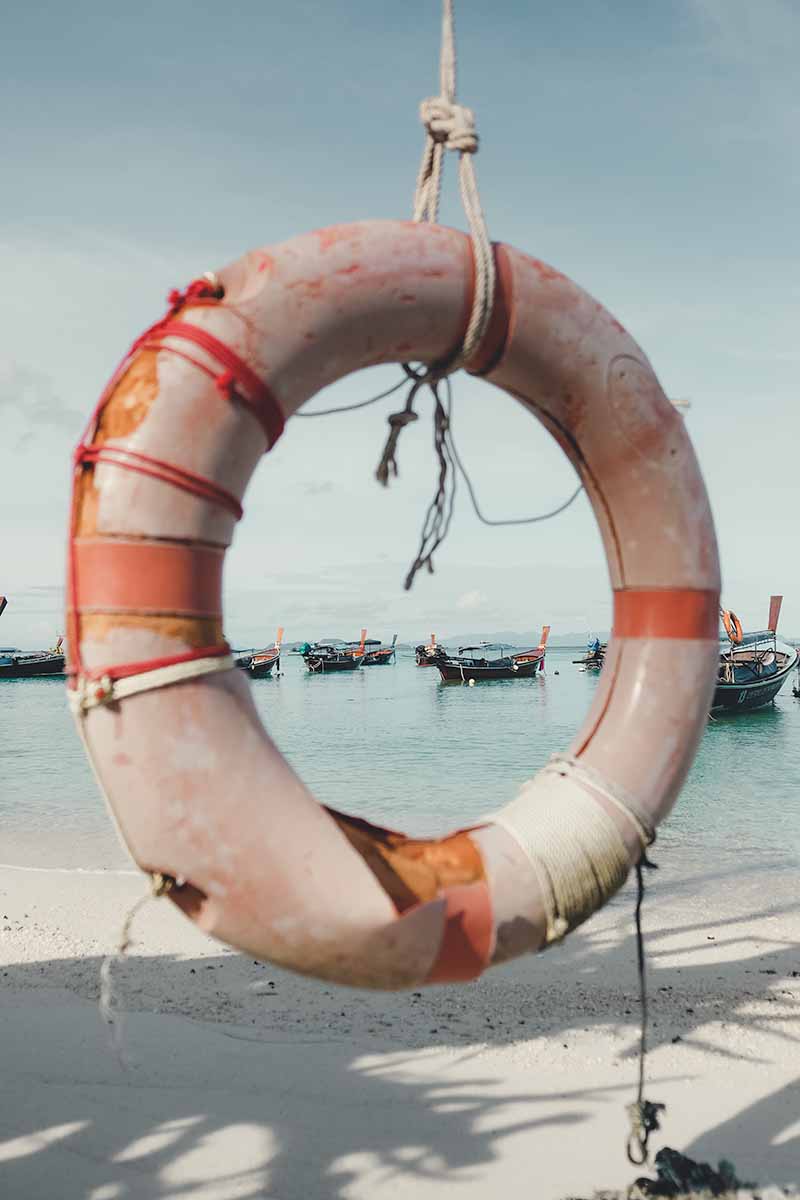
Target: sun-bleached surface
242, 1080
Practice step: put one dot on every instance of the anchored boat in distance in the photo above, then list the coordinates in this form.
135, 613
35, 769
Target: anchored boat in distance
260, 663
375, 653
426, 655
491, 660
30, 664
332, 655
753, 667
594, 657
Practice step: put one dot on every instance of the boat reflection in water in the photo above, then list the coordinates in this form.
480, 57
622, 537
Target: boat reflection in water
492, 660
753, 667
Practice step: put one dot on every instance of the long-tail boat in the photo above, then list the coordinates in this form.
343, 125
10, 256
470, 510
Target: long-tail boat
328, 656
594, 657
488, 660
260, 663
375, 653
427, 655
753, 667
29, 664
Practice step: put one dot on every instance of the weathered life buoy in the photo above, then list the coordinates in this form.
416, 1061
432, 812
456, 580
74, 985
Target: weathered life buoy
199, 791
733, 626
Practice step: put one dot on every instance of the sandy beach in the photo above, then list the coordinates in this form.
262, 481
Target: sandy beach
240, 1080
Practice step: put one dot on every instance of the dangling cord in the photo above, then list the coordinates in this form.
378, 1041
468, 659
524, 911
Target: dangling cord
387, 467
111, 1015
440, 510
471, 490
328, 412
643, 1114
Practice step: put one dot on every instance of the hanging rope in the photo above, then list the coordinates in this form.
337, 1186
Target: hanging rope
451, 126
448, 126
160, 885
643, 1114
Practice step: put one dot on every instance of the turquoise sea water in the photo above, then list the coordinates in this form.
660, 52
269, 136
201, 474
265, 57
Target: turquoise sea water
396, 745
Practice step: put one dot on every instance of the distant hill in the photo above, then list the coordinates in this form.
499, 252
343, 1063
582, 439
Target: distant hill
512, 637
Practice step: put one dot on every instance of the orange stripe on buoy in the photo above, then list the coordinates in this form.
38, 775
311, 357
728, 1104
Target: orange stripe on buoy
113, 575
468, 934
666, 613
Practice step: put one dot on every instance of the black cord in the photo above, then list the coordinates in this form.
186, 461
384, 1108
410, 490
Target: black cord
327, 412
643, 1114
510, 520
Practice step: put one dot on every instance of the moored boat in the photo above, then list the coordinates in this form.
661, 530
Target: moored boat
753, 667
427, 655
20, 664
594, 657
492, 660
30, 664
375, 653
260, 663
332, 655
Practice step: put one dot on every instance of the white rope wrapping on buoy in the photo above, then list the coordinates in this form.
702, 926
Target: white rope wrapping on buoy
451, 126
91, 693
576, 849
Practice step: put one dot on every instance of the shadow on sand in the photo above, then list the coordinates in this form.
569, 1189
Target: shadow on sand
301, 1089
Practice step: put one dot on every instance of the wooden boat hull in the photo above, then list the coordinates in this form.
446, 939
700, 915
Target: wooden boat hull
453, 671
261, 668
379, 658
258, 666
747, 696
33, 667
319, 665
428, 660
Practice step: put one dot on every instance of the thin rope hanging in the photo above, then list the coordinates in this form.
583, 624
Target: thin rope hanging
448, 126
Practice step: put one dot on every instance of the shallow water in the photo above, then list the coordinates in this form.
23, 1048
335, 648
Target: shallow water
396, 745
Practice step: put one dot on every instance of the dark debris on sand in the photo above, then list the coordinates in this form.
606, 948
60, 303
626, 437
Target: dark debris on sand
680, 1178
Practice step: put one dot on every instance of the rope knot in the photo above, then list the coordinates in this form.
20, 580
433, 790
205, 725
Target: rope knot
388, 465
450, 123
90, 693
224, 384
206, 288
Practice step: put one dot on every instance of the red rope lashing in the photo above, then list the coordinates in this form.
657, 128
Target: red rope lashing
166, 472
199, 291
238, 377
125, 670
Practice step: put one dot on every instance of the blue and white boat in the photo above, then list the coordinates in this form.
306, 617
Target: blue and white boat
753, 667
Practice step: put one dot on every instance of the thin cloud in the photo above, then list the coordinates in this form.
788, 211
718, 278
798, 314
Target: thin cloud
29, 402
471, 601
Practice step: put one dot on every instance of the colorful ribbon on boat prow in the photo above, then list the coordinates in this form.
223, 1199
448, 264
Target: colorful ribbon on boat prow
200, 793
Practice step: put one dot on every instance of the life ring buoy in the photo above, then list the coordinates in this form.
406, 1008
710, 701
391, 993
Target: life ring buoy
199, 792
733, 626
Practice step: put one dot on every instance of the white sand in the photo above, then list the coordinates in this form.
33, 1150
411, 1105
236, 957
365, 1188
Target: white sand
246, 1081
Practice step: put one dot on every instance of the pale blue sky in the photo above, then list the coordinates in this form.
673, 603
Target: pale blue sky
649, 151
